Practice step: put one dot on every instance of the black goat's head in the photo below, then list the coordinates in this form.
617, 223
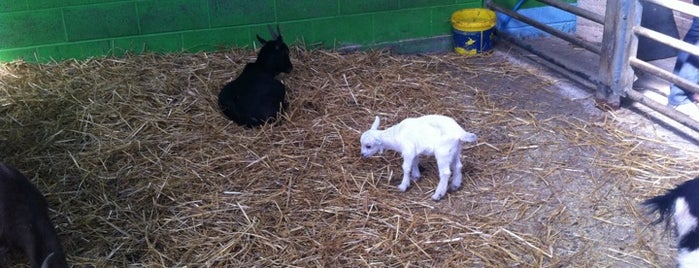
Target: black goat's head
274, 54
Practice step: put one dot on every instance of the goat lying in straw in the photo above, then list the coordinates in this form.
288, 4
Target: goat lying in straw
255, 97
436, 135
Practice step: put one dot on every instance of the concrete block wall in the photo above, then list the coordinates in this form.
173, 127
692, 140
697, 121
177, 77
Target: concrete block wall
42, 30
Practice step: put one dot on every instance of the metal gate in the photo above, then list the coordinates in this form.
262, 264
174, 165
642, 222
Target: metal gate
617, 51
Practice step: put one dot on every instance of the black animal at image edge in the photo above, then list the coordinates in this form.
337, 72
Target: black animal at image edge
681, 206
256, 96
24, 222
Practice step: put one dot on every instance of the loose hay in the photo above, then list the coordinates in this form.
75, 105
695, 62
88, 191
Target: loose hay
140, 168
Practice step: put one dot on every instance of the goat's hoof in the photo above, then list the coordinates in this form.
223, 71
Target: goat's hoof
454, 187
402, 188
437, 197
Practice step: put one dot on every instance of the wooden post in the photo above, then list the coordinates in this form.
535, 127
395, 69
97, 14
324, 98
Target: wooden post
618, 45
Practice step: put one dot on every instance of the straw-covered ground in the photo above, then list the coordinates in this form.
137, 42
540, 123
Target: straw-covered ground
141, 169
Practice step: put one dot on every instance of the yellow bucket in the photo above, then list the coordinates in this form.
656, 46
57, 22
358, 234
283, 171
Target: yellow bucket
473, 30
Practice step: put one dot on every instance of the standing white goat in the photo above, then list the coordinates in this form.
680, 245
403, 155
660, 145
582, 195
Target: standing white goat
436, 135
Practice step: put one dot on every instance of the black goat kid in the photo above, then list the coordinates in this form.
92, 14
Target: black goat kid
24, 222
256, 97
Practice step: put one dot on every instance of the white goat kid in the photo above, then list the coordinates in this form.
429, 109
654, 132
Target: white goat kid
436, 135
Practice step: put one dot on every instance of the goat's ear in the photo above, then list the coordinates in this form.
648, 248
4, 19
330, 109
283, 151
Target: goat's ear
261, 40
376, 123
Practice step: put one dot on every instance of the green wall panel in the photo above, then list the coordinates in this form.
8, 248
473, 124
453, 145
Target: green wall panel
27, 54
27, 28
293, 31
327, 32
74, 50
152, 43
424, 3
83, 28
100, 21
402, 25
441, 18
216, 39
299, 9
356, 7
231, 13
10, 5
37, 4
173, 15
358, 29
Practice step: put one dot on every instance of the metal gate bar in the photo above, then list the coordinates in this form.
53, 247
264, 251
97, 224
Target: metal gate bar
685, 8
614, 78
575, 10
669, 41
553, 31
663, 74
663, 109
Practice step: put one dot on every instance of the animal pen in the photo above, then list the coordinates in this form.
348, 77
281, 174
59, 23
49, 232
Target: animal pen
617, 52
141, 169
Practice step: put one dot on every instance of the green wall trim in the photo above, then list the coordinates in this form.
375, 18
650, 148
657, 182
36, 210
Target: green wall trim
44, 30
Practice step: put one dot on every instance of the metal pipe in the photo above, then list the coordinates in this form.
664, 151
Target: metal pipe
555, 32
667, 40
668, 76
663, 109
679, 6
575, 10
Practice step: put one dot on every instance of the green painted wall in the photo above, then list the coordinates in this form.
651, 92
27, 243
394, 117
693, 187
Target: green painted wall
41, 30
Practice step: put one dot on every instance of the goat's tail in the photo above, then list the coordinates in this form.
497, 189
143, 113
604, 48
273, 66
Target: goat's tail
468, 137
663, 204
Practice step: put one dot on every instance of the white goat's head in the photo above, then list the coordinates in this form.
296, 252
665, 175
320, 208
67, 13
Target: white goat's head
370, 140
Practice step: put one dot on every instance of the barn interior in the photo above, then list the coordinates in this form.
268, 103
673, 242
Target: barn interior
140, 168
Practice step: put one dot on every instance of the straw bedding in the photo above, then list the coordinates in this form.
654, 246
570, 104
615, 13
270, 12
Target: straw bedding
141, 169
